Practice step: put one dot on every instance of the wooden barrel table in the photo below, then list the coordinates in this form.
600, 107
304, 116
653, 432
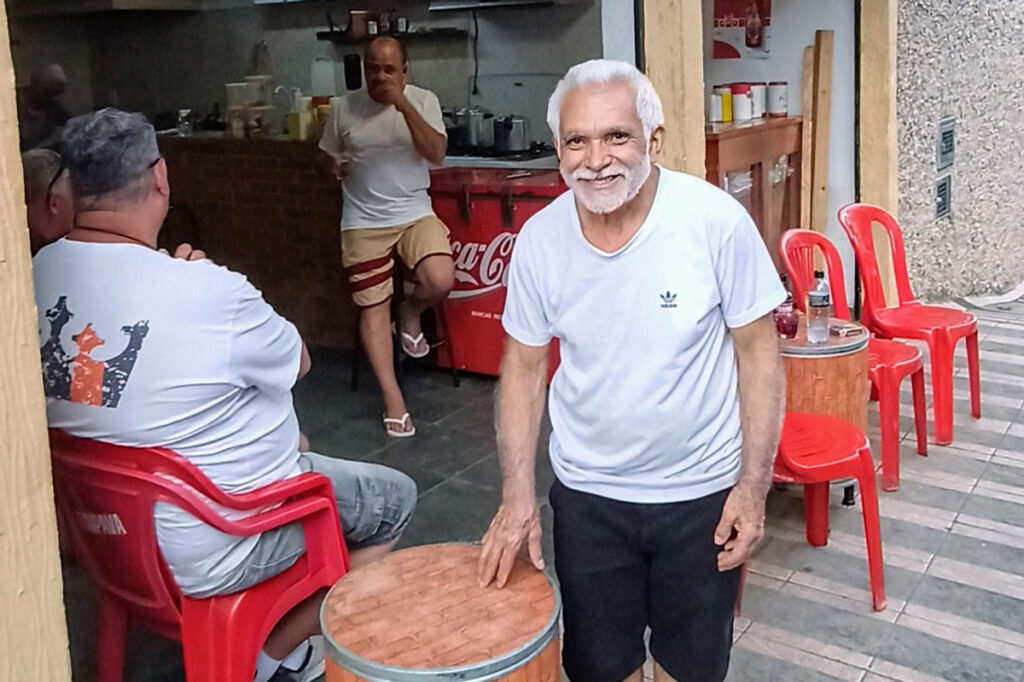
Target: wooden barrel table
418, 615
829, 378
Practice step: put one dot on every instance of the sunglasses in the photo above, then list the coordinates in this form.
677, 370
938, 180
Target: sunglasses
60, 171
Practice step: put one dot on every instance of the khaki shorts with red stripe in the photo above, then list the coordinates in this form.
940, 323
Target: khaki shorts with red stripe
368, 255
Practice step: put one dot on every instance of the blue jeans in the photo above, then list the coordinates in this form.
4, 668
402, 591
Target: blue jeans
375, 504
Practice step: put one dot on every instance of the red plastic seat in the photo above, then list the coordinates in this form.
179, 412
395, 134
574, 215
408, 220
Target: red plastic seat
105, 494
939, 327
888, 361
815, 449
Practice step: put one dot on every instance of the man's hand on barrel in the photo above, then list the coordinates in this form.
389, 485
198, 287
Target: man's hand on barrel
513, 524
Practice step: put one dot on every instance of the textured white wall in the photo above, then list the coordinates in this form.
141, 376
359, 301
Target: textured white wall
962, 58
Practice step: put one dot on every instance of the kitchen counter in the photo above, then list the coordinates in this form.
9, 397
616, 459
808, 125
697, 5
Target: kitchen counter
263, 207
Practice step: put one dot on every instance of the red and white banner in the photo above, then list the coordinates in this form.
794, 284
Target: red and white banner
741, 29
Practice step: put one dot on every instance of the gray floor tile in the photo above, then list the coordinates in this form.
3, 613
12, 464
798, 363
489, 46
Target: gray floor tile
748, 666
994, 510
988, 554
443, 451
970, 602
455, 511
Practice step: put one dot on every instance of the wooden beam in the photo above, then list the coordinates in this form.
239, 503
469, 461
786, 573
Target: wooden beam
807, 143
821, 128
674, 59
33, 634
878, 138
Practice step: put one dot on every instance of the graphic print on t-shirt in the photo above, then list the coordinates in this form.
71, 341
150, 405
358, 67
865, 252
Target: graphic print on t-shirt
80, 378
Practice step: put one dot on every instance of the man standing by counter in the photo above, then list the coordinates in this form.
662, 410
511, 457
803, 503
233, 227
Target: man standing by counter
383, 140
667, 405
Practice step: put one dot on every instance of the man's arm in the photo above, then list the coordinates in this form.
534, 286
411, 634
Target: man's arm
429, 143
762, 394
517, 414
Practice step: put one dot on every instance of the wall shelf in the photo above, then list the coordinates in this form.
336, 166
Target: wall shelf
441, 32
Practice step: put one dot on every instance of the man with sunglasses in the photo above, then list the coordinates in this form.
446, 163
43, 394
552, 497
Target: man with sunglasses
47, 197
143, 349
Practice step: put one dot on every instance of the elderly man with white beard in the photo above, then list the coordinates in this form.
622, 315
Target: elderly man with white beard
667, 405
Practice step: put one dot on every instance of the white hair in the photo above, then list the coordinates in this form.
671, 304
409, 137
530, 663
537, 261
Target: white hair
648, 105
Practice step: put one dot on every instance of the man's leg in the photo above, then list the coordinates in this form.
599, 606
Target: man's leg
375, 332
424, 247
692, 602
368, 259
602, 577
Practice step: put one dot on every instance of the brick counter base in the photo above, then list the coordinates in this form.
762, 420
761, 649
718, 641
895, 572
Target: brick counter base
262, 208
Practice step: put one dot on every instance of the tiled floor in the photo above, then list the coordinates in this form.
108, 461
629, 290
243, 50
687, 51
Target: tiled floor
953, 535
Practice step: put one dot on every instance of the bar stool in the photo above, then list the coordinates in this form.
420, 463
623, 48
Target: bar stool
442, 334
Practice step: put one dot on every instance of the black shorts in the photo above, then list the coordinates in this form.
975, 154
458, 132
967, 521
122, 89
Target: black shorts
623, 567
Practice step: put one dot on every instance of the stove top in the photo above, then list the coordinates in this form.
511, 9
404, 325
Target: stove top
537, 150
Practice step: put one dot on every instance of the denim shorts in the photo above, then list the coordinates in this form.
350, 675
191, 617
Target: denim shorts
375, 504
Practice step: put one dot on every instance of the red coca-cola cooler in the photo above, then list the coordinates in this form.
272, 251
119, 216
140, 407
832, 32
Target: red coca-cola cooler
485, 208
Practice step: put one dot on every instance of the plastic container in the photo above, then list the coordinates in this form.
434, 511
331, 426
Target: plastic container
758, 100
742, 106
239, 94
778, 98
726, 94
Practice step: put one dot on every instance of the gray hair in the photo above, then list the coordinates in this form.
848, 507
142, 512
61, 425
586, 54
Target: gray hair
108, 154
39, 167
648, 105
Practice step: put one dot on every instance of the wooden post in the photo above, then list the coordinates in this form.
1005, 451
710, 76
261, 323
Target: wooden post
821, 128
674, 59
807, 140
33, 635
879, 158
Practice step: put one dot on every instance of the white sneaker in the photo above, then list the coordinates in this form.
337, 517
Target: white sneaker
313, 667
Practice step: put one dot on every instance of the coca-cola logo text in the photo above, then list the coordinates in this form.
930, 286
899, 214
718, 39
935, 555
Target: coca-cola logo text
481, 268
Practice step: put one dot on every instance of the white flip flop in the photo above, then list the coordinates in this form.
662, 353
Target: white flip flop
406, 419
410, 343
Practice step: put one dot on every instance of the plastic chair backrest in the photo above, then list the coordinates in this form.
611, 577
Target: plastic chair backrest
797, 250
857, 220
106, 494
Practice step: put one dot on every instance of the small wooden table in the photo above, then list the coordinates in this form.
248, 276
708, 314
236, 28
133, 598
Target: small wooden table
756, 147
418, 615
830, 378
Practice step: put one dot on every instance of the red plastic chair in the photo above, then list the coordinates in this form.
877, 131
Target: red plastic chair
888, 361
106, 495
940, 327
815, 449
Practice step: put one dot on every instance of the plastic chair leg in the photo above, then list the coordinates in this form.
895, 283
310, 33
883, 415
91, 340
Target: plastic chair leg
972, 369
872, 531
218, 650
920, 414
112, 626
889, 423
942, 386
816, 513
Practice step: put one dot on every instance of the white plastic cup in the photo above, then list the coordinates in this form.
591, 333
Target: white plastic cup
778, 98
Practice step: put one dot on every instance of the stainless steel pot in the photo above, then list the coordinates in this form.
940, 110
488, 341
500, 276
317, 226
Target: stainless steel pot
473, 121
511, 134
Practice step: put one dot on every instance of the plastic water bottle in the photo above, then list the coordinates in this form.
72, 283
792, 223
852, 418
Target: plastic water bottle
818, 306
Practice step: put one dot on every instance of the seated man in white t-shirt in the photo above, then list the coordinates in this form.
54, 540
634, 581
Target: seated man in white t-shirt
383, 141
667, 404
143, 349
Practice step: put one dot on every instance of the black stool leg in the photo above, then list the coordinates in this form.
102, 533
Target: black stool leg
442, 324
848, 498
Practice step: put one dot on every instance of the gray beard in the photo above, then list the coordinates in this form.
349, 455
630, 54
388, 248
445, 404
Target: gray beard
604, 203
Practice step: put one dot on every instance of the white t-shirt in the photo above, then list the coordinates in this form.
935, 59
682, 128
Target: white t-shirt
387, 179
644, 404
192, 359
